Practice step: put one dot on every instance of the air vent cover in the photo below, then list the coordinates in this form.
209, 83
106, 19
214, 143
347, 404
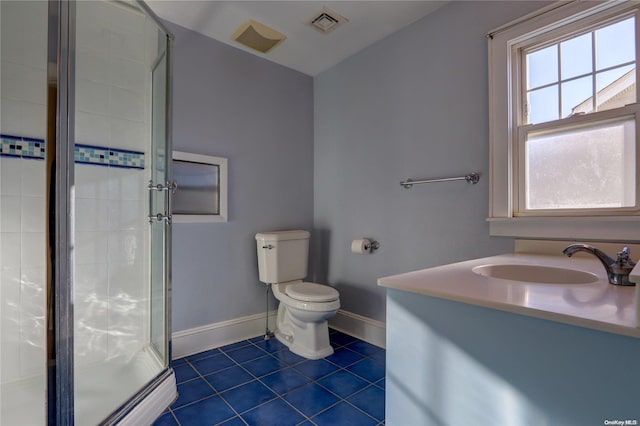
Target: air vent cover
257, 36
327, 20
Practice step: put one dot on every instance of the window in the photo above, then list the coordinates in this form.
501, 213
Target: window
584, 73
564, 114
201, 194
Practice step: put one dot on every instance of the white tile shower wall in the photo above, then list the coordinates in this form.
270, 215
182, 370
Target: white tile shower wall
112, 76
23, 43
22, 268
23, 68
111, 234
22, 264
10, 323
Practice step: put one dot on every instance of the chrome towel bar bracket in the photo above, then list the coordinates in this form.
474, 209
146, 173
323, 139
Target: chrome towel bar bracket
472, 178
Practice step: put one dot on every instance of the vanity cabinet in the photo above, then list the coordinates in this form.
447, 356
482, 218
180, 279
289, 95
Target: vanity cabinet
455, 363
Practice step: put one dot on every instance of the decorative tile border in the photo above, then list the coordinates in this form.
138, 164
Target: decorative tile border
121, 158
16, 146
87, 154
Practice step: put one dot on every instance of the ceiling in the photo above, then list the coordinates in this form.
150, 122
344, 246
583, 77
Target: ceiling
305, 49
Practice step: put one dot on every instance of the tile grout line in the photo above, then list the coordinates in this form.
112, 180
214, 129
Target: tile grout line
281, 397
341, 399
255, 378
359, 409
258, 379
215, 391
219, 394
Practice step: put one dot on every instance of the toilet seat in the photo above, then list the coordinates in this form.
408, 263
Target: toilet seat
311, 292
281, 292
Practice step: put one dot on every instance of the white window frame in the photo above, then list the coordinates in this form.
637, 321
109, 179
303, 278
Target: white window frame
504, 112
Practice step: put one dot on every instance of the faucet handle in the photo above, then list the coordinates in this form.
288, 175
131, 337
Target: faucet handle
624, 253
623, 257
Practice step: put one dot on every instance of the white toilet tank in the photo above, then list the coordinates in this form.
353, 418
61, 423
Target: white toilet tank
282, 256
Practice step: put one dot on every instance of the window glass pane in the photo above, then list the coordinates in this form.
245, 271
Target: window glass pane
615, 44
577, 96
606, 78
198, 188
616, 88
587, 167
576, 56
542, 67
543, 104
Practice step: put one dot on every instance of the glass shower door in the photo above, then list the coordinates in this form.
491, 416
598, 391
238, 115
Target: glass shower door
83, 273
160, 193
121, 243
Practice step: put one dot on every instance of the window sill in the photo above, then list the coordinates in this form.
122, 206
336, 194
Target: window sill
607, 228
198, 218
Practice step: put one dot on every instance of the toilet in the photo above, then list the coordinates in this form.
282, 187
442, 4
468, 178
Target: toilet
304, 307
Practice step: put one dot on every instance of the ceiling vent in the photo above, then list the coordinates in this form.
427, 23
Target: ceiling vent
327, 21
258, 36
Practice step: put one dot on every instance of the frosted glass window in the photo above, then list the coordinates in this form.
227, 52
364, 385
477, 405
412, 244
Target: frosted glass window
198, 188
565, 152
585, 168
201, 194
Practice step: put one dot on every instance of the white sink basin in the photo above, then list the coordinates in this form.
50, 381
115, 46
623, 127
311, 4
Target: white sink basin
536, 274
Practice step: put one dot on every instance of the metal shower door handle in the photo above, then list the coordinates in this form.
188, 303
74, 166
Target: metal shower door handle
170, 188
160, 218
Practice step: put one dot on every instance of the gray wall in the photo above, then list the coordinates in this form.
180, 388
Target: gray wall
413, 105
328, 153
260, 116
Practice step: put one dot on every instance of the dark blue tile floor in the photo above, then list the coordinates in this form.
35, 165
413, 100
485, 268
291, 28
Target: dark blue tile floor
260, 382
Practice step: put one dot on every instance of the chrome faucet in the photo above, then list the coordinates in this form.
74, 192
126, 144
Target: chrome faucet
618, 270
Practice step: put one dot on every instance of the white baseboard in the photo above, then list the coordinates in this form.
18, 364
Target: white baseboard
364, 328
199, 339
150, 408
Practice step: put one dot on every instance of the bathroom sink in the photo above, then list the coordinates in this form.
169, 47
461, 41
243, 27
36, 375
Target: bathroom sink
536, 274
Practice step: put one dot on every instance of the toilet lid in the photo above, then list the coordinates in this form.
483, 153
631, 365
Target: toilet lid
310, 292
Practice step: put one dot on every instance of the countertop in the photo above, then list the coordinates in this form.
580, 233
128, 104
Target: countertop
598, 305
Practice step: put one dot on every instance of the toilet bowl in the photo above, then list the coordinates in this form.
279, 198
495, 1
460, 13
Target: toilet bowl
302, 317
304, 307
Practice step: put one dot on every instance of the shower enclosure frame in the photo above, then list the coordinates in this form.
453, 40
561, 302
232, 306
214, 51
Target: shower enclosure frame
60, 229
60, 211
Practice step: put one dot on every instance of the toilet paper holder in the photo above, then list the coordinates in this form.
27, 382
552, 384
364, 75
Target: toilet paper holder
364, 246
373, 245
